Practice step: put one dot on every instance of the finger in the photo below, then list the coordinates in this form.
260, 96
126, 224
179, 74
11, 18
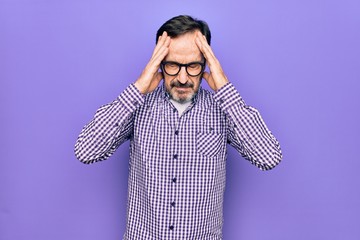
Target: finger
154, 63
161, 41
160, 54
207, 49
199, 42
161, 46
163, 37
206, 46
202, 45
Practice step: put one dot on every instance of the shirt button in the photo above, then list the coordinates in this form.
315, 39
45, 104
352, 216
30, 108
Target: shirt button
173, 204
176, 132
171, 227
175, 156
174, 180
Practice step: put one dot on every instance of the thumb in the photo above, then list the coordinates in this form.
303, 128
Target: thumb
207, 76
158, 76
156, 80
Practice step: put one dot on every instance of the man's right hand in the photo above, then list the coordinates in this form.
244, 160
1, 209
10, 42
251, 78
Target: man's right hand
151, 77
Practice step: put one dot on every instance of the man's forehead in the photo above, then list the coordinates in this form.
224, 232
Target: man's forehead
184, 48
186, 40
184, 56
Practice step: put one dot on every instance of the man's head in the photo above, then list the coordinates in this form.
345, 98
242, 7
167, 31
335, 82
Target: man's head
182, 82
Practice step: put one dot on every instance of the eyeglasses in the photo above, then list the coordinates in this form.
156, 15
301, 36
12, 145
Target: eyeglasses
193, 69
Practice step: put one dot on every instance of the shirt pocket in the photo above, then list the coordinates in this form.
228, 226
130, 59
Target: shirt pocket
209, 144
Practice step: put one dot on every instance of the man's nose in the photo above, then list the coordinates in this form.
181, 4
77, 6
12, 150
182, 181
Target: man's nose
183, 76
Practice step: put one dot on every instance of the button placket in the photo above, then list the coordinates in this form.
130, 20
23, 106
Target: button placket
174, 164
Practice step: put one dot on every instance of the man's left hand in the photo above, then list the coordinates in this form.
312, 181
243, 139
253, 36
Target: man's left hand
216, 78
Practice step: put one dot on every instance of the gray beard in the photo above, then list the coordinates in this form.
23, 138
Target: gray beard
182, 100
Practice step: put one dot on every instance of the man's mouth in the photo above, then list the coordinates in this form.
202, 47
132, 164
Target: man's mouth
179, 85
182, 90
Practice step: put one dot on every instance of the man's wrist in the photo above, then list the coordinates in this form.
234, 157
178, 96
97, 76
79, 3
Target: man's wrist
227, 95
139, 87
131, 97
221, 84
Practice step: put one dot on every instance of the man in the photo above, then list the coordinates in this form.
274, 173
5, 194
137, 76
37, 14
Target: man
178, 134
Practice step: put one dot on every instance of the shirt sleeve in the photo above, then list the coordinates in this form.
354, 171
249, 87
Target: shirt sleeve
247, 132
111, 126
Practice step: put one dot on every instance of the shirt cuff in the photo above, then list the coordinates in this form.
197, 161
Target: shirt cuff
228, 96
131, 98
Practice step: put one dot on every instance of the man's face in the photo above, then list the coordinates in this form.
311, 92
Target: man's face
183, 49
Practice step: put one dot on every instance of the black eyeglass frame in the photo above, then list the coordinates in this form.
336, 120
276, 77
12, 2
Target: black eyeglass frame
180, 65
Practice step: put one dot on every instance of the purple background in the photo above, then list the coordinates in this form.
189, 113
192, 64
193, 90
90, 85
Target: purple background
296, 61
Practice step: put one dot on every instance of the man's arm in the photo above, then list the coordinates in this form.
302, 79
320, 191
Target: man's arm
111, 126
247, 131
113, 123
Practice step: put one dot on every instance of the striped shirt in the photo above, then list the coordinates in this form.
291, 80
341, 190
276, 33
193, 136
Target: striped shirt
177, 163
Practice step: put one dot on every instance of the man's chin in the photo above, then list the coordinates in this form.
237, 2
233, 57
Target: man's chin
182, 98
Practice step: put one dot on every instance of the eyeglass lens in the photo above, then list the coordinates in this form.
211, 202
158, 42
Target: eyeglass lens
172, 68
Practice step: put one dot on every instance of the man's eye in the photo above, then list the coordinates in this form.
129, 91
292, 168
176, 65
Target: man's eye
194, 66
171, 65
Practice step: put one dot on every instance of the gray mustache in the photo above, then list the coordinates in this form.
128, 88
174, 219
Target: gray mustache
179, 84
